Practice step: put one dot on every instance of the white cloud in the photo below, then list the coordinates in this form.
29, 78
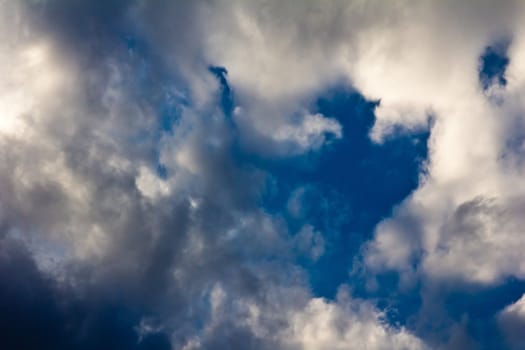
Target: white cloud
280, 55
309, 134
463, 221
296, 321
348, 324
512, 322
420, 60
150, 184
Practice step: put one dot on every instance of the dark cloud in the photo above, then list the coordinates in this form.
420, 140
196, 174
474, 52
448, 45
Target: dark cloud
127, 259
38, 312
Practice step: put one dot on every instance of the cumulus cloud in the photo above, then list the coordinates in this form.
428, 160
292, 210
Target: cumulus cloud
391, 53
103, 196
111, 251
306, 323
463, 221
348, 324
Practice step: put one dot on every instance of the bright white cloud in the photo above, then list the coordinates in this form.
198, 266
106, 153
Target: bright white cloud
310, 134
348, 324
306, 323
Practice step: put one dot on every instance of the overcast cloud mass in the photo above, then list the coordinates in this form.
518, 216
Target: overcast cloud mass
267, 174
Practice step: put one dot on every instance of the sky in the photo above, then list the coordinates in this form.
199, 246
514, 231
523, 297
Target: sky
266, 174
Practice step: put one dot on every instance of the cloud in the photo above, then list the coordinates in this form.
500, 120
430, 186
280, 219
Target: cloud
41, 312
310, 134
310, 242
112, 252
295, 51
348, 324
463, 220
104, 196
512, 322
306, 323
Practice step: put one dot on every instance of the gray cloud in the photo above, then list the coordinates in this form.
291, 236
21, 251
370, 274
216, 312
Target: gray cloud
512, 322
112, 254
81, 141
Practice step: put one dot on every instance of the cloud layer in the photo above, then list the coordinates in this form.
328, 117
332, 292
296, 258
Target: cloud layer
133, 169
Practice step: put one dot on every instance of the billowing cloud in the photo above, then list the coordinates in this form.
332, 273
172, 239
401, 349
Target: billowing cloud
305, 323
348, 324
464, 222
134, 139
129, 234
392, 53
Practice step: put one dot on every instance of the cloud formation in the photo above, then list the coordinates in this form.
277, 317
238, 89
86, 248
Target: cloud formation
133, 137
112, 252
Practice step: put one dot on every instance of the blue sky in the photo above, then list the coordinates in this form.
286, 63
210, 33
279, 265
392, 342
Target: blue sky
262, 175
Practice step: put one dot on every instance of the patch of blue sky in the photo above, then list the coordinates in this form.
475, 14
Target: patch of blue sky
347, 187
360, 181
493, 63
343, 190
